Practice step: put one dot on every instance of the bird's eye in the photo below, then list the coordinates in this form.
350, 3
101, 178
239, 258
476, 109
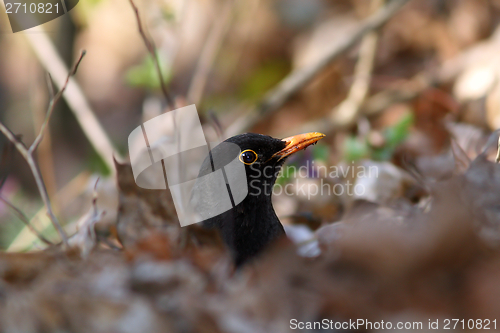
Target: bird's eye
248, 156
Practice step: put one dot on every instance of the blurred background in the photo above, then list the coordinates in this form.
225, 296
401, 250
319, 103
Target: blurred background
393, 100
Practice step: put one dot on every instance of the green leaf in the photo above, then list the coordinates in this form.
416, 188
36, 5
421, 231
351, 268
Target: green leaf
355, 149
399, 132
263, 79
145, 74
382, 154
394, 136
320, 152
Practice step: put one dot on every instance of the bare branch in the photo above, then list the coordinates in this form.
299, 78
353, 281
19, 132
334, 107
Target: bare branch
26, 220
49, 85
150, 46
38, 178
216, 123
347, 112
4, 165
28, 153
40, 219
78, 104
209, 51
12, 138
53, 103
296, 80
497, 158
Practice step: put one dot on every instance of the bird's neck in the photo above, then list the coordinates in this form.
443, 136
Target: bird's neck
250, 227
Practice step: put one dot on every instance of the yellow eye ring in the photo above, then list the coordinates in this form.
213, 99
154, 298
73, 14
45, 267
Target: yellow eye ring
248, 157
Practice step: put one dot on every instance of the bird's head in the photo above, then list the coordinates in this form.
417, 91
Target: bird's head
263, 157
251, 223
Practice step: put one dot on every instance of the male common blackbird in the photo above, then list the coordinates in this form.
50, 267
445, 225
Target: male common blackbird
252, 225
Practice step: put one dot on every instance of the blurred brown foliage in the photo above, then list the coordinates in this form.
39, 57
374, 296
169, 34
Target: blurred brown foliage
421, 243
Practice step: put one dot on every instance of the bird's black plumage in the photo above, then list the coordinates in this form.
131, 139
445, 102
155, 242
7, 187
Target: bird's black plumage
251, 225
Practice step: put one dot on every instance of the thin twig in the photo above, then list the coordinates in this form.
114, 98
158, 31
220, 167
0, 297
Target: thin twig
251, 11
296, 80
5, 166
209, 51
497, 158
437, 75
50, 86
405, 91
377, 103
21, 148
26, 220
53, 103
402, 92
216, 124
27, 153
39, 104
150, 46
346, 113
78, 104
40, 219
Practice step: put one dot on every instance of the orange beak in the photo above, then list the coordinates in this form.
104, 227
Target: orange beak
298, 142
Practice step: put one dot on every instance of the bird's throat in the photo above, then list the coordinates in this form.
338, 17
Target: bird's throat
250, 227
